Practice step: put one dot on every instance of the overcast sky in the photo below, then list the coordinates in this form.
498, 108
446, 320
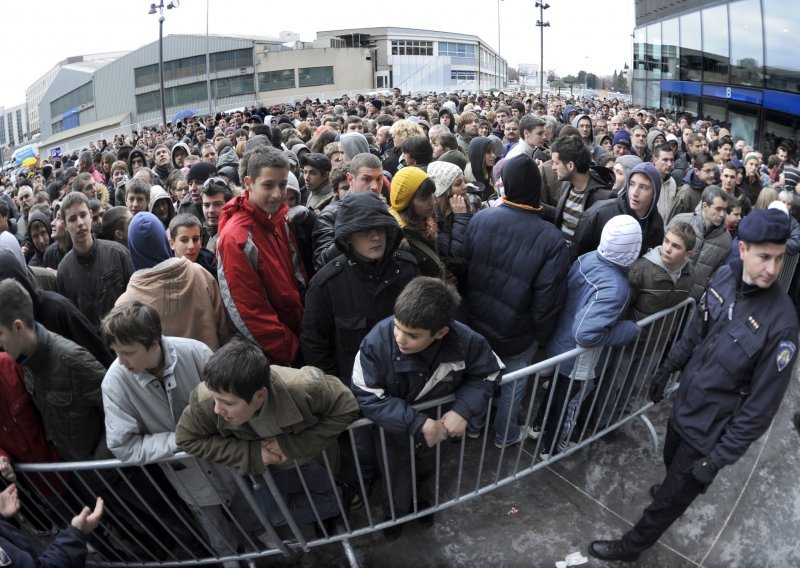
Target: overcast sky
584, 34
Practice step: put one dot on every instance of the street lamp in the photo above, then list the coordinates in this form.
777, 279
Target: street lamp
541, 24
497, 57
160, 9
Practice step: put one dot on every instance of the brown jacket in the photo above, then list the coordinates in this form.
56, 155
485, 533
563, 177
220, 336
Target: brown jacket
186, 297
305, 410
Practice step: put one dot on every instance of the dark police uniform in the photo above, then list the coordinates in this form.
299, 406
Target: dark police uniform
737, 357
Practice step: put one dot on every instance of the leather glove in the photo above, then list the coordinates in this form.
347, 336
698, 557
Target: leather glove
704, 471
657, 385
297, 214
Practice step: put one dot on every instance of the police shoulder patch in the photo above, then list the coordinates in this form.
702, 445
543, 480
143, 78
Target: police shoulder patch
786, 351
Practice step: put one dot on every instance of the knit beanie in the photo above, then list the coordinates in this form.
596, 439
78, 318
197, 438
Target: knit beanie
621, 240
522, 181
443, 175
752, 156
455, 157
147, 241
404, 185
201, 171
622, 137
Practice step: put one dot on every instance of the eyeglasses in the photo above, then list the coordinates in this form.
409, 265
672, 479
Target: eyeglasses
215, 181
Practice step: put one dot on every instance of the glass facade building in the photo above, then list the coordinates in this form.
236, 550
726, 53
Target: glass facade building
736, 63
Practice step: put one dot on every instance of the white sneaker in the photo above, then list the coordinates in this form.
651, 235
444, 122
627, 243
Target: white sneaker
534, 432
524, 432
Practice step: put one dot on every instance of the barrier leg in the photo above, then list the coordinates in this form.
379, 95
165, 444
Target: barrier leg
652, 429
349, 553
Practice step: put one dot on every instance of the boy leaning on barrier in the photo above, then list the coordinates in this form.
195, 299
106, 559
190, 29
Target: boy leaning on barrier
144, 393
421, 353
251, 416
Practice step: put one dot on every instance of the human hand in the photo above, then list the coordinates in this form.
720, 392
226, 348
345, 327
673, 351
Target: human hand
657, 385
86, 521
704, 471
271, 452
454, 424
26, 249
9, 502
7, 469
434, 432
297, 214
457, 204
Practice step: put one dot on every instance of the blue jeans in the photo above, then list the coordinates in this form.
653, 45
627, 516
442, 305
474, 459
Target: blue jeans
511, 395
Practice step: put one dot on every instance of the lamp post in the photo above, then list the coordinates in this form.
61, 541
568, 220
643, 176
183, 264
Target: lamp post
159, 8
497, 57
541, 24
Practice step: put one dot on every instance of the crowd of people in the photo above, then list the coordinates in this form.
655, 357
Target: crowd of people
244, 286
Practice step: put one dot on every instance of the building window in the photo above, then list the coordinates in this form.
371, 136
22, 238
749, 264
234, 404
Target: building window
276, 80
459, 50
2, 130
670, 48
639, 56
715, 44
311, 76
653, 52
235, 59
691, 48
233, 86
459, 77
781, 29
74, 98
19, 124
147, 75
173, 96
10, 121
412, 47
747, 50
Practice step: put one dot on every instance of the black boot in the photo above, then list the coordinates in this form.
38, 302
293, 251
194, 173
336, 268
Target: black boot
611, 550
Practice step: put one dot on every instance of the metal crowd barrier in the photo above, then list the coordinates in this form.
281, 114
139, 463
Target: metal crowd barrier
286, 511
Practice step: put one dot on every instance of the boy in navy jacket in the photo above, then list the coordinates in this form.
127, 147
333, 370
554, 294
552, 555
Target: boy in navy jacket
421, 354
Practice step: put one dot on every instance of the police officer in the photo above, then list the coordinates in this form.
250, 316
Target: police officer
737, 357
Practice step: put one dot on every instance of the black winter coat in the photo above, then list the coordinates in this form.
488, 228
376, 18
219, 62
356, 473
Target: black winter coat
349, 295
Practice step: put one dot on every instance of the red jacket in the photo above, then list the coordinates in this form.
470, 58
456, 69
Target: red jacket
22, 438
260, 274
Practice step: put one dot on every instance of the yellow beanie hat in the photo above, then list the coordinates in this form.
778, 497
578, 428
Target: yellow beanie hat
405, 184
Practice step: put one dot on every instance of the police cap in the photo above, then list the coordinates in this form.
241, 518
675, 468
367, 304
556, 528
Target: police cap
764, 226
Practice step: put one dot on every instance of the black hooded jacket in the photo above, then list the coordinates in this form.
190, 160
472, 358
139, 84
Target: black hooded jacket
349, 295
478, 147
57, 313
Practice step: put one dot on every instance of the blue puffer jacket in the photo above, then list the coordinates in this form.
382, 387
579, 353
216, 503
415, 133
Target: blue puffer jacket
387, 382
597, 299
517, 267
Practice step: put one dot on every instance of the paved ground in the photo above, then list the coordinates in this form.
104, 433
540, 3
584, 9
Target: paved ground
749, 517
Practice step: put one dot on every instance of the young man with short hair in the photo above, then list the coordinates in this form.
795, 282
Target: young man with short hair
581, 185
700, 176
62, 377
713, 239
316, 173
250, 415
137, 195
259, 265
664, 161
421, 353
95, 272
216, 193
